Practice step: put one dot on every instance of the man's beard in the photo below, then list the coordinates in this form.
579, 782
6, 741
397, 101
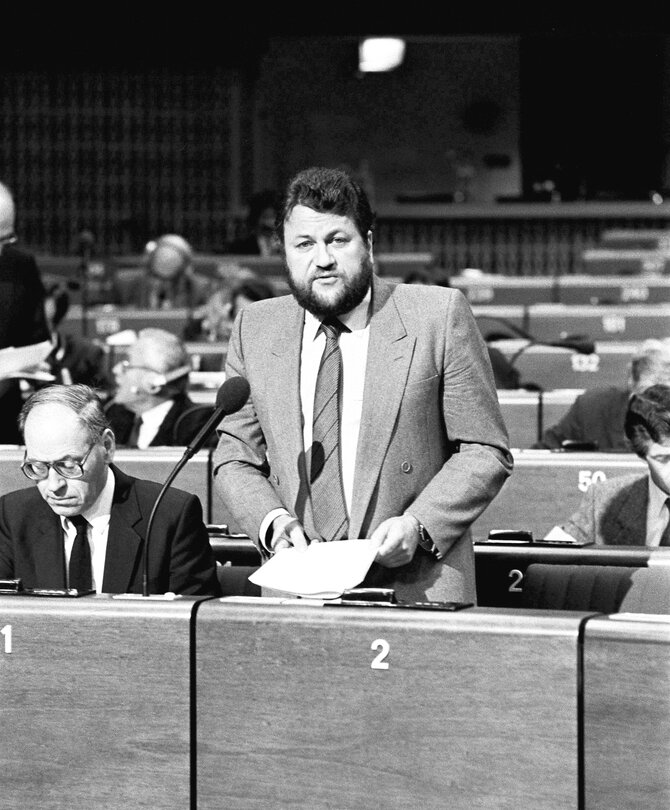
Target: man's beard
350, 296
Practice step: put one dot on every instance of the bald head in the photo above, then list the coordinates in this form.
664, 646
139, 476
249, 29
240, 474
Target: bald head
7, 212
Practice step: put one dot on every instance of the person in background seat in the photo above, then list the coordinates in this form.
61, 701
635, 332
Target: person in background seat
84, 523
596, 418
631, 510
151, 406
167, 279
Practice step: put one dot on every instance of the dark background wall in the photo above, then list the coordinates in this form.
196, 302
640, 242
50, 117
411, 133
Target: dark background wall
132, 141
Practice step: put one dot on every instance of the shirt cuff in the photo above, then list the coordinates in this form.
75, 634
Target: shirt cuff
266, 525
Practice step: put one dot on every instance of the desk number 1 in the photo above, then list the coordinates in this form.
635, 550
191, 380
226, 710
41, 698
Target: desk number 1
7, 633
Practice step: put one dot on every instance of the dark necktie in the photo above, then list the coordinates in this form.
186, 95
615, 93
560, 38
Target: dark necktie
79, 571
134, 434
328, 504
665, 537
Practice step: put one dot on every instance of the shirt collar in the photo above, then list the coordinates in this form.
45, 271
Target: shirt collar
356, 319
656, 498
102, 508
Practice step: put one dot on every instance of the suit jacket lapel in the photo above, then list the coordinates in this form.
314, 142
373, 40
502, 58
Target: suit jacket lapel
124, 544
389, 355
282, 374
630, 522
49, 548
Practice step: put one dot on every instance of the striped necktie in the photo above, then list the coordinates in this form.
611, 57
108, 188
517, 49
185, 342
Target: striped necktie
328, 503
79, 570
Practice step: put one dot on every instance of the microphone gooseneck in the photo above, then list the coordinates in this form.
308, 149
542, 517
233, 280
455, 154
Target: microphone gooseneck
230, 397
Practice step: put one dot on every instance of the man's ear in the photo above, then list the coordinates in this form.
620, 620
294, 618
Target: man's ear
109, 445
370, 251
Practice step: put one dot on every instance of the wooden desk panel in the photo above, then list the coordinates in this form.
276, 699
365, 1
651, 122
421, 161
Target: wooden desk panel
627, 712
507, 290
633, 322
546, 487
613, 290
95, 703
520, 411
554, 368
476, 708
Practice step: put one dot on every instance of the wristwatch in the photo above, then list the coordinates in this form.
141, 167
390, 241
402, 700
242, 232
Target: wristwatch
426, 543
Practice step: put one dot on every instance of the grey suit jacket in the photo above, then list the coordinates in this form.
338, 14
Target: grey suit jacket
613, 512
432, 439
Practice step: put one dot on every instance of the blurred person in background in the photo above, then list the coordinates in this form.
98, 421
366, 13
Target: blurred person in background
595, 420
166, 280
22, 320
214, 321
72, 359
260, 237
151, 406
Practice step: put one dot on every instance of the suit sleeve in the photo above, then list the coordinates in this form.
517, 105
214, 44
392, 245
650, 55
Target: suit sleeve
241, 468
6, 546
582, 523
473, 474
192, 563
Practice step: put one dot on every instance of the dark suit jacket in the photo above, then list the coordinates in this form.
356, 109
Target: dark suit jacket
595, 416
84, 360
180, 556
193, 418
612, 512
21, 323
432, 439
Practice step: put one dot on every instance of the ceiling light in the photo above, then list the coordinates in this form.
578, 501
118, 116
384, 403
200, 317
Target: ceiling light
377, 54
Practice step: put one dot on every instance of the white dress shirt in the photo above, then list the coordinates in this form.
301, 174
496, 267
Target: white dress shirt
98, 517
657, 514
354, 350
151, 422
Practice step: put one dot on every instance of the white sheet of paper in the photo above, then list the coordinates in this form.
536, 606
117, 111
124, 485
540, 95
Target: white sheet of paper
322, 570
15, 359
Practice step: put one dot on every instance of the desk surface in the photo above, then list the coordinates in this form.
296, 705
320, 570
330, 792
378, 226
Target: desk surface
332, 705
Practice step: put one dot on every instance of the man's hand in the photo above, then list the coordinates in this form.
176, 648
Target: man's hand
398, 538
286, 532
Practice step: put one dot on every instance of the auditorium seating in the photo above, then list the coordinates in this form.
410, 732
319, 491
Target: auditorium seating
601, 588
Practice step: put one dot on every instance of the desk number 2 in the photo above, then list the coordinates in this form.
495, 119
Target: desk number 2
7, 633
383, 646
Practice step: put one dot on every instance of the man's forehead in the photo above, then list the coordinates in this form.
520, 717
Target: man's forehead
302, 217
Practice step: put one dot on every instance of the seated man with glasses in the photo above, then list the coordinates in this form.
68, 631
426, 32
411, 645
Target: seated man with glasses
83, 526
151, 406
22, 320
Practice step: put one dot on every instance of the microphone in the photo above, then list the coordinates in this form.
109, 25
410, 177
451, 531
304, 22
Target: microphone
230, 397
578, 343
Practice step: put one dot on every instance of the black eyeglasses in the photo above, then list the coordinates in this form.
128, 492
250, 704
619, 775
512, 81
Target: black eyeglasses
66, 467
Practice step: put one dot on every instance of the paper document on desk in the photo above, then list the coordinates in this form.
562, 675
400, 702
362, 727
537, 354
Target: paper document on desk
14, 360
322, 570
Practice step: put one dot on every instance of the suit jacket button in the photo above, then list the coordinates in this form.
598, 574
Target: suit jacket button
406, 467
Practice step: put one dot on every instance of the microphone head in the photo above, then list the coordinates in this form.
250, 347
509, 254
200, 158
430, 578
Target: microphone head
232, 395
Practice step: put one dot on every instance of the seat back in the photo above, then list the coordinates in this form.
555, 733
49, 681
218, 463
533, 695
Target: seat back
601, 588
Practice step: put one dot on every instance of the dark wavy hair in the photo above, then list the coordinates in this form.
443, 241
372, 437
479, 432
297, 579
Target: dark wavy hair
328, 191
648, 418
